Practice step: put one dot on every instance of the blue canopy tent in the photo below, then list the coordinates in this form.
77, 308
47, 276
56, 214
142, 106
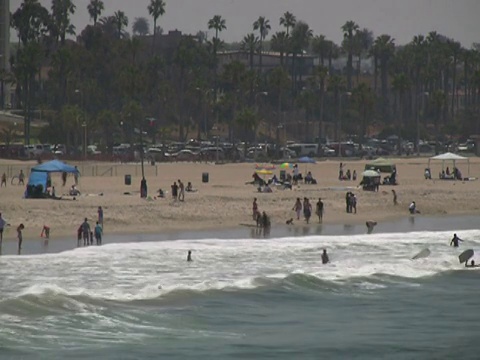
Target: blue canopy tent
40, 174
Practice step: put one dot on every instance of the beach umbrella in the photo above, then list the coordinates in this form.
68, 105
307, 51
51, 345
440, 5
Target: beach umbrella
286, 166
370, 173
264, 172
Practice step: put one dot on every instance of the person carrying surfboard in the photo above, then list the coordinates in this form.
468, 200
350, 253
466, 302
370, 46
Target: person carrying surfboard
455, 241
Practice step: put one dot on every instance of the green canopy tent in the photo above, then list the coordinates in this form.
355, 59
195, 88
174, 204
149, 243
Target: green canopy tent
381, 164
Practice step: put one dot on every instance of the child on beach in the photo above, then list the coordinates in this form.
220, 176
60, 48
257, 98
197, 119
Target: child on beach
4, 180
20, 237
98, 233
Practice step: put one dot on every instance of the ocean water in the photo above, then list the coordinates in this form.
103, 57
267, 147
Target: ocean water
245, 299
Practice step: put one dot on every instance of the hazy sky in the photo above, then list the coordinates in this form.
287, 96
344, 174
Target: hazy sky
402, 19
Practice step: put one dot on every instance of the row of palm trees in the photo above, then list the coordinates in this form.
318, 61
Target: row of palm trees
113, 82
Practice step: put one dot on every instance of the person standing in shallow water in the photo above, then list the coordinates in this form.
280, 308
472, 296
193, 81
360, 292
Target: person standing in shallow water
20, 237
325, 258
189, 256
298, 208
319, 210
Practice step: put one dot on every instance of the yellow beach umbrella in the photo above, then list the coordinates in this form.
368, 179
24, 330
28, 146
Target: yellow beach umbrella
264, 172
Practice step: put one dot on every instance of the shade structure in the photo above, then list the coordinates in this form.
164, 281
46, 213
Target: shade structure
55, 166
39, 176
450, 157
306, 160
384, 165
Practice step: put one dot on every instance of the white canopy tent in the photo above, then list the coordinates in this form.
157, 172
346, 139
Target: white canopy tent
450, 157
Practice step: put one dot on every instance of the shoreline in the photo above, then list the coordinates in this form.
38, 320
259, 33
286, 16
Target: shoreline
353, 221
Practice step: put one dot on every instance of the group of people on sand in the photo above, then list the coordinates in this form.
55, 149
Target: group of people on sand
21, 179
20, 228
261, 218
86, 233
348, 175
306, 207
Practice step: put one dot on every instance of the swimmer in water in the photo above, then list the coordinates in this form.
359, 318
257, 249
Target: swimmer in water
325, 259
189, 256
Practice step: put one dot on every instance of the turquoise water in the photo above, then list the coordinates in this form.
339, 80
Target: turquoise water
245, 298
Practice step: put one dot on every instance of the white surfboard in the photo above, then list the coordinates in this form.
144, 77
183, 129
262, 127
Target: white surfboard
422, 254
465, 256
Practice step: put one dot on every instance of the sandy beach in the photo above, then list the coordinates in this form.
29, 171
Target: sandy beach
225, 201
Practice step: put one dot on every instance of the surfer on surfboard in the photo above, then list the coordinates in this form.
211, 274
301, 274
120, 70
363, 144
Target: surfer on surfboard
455, 241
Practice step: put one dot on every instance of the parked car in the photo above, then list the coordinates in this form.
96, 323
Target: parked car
186, 155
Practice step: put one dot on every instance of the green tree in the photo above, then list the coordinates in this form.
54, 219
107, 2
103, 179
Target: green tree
156, 9
141, 27
250, 45
288, 20
301, 35
385, 48
281, 43
60, 25
121, 22
349, 30
263, 26
95, 9
364, 101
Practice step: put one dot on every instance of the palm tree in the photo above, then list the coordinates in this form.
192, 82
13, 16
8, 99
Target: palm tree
456, 49
218, 24
288, 20
249, 45
280, 42
400, 84
121, 22
60, 25
156, 9
349, 29
95, 9
263, 26
385, 47
364, 100
320, 74
363, 41
336, 85
301, 35
321, 47
279, 81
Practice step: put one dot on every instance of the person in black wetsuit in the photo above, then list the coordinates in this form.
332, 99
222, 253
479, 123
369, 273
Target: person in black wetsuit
189, 256
325, 259
455, 241
472, 264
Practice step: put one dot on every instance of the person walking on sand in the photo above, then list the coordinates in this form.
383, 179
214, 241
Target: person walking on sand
20, 237
181, 193
394, 193
307, 210
298, 208
75, 176
4, 180
175, 191
100, 216
319, 210
353, 199
255, 209
21, 178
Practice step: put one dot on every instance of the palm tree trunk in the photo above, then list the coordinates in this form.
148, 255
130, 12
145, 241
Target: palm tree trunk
454, 87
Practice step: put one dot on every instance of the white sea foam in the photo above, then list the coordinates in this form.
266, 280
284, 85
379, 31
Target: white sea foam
137, 271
